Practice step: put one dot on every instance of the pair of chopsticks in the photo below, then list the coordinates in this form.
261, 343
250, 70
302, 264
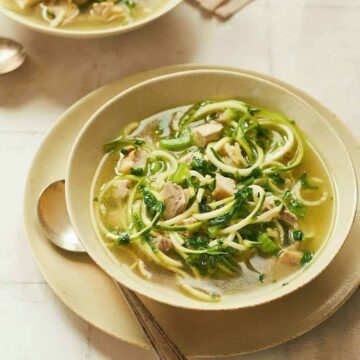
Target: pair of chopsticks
223, 8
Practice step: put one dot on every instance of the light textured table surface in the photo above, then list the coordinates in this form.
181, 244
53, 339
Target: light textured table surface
312, 44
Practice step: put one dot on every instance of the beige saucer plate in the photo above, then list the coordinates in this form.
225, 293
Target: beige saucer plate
90, 293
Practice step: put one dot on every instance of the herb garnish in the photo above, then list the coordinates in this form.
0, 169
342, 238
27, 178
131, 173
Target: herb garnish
276, 178
151, 202
305, 182
307, 257
298, 235
202, 166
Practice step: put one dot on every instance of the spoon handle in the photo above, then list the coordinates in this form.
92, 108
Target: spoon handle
160, 343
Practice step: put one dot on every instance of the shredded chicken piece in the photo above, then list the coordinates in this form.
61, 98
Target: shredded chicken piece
135, 159
290, 257
59, 12
224, 187
289, 217
286, 215
175, 200
163, 244
108, 11
233, 152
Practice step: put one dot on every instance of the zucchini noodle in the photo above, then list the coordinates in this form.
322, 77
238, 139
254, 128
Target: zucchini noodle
280, 151
296, 193
170, 160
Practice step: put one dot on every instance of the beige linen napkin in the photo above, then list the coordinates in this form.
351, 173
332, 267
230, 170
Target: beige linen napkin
223, 8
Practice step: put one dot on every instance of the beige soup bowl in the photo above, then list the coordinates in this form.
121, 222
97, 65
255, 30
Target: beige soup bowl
9, 9
187, 87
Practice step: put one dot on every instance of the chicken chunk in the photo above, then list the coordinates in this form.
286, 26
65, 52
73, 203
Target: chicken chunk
60, 12
135, 159
163, 244
206, 133
122, 188
233, 152
175, 200
224, 188
289, 218
108, 10
290, 257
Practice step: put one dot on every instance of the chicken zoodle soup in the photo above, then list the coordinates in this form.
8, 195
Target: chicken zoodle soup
222, 196
85, 14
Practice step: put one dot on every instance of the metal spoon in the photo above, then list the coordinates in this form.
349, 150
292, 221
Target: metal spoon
12, 55
54, 218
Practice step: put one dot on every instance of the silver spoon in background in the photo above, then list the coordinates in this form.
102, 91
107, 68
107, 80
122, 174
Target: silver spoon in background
54, 219
12, 55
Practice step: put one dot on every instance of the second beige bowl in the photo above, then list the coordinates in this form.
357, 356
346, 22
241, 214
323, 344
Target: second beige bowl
95, 32
172, 90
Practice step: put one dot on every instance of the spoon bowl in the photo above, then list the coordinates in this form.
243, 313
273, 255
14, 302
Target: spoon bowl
12, 55
54, 218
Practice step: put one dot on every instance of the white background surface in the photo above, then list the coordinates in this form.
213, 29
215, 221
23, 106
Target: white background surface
312, 44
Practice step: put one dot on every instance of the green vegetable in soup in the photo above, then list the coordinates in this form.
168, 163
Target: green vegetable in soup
181, 174
307, 257
181, 142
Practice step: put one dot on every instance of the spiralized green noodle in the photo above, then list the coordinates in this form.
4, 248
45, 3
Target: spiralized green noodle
232, 169
201, 211
296, 192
